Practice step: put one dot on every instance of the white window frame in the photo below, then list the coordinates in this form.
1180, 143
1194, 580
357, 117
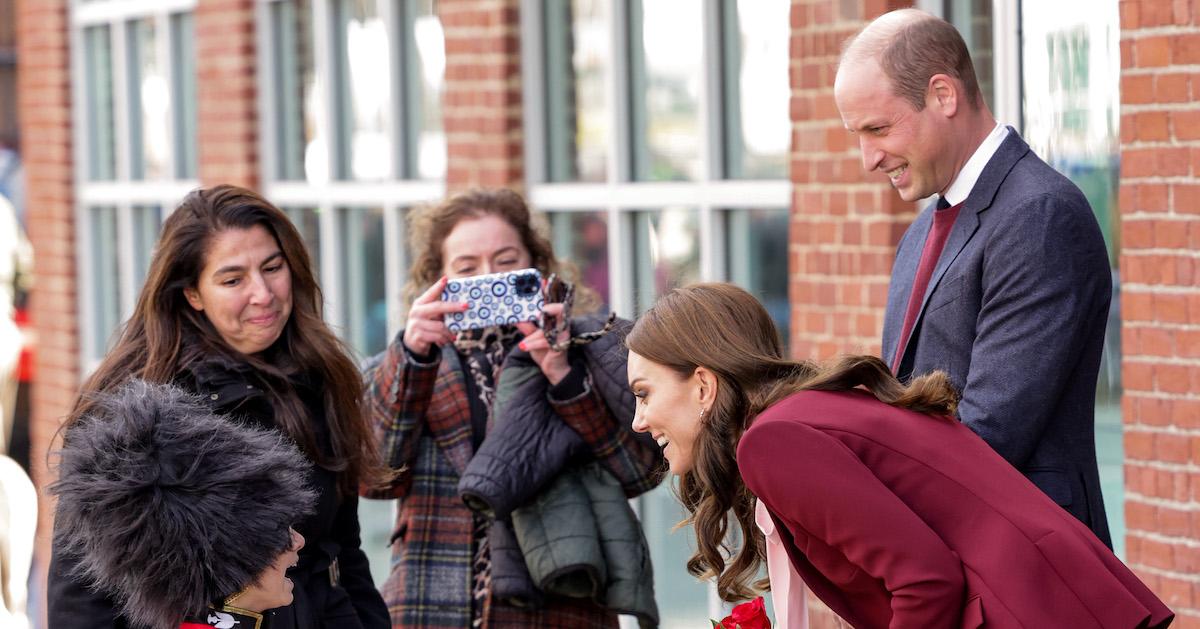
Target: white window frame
331, 196
620, 197
122, 192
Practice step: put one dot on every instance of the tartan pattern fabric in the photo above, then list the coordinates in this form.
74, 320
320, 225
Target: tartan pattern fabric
422, 418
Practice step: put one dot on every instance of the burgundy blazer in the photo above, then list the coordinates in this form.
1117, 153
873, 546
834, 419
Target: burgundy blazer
899, 519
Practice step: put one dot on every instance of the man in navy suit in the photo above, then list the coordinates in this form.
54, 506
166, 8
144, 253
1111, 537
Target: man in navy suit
1004, 282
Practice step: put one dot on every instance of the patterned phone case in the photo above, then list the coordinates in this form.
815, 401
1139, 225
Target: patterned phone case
496, 299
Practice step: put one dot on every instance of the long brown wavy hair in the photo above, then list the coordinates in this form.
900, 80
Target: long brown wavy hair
726, 330
165, 334
428, 227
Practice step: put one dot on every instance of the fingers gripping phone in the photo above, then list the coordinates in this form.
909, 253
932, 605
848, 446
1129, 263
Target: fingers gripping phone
495, 299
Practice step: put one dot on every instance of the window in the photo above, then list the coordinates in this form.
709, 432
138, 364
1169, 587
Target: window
134, 76
352, 137
659, 130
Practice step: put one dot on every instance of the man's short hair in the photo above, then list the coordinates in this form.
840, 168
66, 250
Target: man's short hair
917, 47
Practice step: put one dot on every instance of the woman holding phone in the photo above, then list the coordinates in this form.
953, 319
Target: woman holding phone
432, 395
893, 512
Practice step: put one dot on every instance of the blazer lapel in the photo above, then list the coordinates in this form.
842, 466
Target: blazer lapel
449, 413
904, 271
1011, 150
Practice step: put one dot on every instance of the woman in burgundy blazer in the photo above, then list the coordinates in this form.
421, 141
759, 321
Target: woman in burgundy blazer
894, 514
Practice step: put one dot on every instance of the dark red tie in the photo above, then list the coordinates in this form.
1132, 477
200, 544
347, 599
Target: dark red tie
939, 231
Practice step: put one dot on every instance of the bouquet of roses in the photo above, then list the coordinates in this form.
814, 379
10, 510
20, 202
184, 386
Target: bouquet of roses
749, 615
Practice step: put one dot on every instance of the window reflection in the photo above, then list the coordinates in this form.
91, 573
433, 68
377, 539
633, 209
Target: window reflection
149, 103
423, 67
184, 63
308, 222
301, 146
973, 19
578, 57
105, 313
364, 293
666, 49
581, 238
361, 40
756, 256
757, 126
666, 252
146, 225
1071, 81
98, 79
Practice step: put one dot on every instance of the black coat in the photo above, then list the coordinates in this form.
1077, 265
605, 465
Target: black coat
332, 532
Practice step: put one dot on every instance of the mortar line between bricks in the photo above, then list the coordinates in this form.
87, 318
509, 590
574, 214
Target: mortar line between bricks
1155, 325
1163, 430
1164, 539
1162, 466
1159, 289
1178, 576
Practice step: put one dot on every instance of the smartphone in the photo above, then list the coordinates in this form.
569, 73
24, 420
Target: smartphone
495, 298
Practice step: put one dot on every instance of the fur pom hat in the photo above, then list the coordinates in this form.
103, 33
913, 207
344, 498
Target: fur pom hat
169, 507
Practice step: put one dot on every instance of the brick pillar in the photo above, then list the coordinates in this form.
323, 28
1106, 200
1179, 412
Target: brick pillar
1160, 297
44, 106
226, 85
845, 223
483, 93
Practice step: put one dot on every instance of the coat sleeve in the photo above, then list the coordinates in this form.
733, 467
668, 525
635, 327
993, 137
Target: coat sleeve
355, 569
399, 385
1044, 280
70, 603
815, 483
634, 461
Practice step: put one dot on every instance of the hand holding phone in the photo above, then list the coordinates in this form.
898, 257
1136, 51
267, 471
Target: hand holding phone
425, 327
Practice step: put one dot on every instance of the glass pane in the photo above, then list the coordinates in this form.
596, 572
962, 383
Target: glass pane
757, 126
183, 53
1071, 80
682, 598
98, 79
666, 252
301, 145
665, 88
308, 222
149, 103
756, 249
973, 19
578, 55
364, 296
146, 225
102, 278
361, 42
581, 238
377, 517
423, 67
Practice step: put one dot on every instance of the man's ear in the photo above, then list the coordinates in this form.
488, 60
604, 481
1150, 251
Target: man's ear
943, 93
708, 384
193, 298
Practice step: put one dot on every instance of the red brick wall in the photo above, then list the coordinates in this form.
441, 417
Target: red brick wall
482, 102
845, 223
44, 105
1160, 297
226, 86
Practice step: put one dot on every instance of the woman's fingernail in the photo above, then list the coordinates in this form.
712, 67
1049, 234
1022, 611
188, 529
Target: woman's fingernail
522, 346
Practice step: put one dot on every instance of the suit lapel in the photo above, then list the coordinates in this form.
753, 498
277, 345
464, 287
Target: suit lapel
1011, 150
449, 414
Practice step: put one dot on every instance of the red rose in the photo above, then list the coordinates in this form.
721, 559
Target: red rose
749, 615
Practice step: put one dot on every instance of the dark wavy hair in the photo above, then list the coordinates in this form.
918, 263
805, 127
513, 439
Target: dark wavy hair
165, 335
428, 227
742, 348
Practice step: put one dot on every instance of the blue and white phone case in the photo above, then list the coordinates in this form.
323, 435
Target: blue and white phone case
495, 298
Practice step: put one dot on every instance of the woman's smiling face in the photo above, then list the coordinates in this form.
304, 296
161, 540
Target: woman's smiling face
668, 407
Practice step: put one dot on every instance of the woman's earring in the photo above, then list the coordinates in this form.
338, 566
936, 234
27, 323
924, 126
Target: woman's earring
702, 414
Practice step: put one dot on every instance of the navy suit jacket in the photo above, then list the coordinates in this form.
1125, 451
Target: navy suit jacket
1015, 312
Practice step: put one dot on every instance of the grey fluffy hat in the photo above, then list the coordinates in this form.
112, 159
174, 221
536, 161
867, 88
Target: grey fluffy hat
168, 506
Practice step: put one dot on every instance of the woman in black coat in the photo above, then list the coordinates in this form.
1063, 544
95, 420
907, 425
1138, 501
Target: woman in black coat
231, 310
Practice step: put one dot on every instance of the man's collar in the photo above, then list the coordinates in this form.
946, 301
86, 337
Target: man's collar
965, 181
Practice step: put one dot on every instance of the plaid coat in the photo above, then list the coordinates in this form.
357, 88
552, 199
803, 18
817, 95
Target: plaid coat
422, 418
